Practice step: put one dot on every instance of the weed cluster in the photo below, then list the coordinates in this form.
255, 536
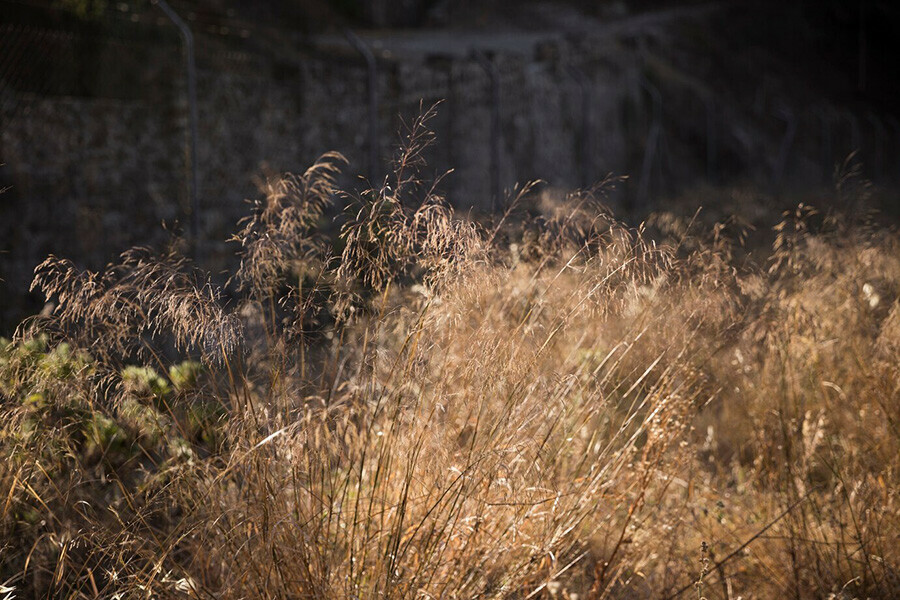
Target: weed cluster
428, 407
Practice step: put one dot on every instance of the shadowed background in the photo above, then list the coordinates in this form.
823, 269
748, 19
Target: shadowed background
94, 109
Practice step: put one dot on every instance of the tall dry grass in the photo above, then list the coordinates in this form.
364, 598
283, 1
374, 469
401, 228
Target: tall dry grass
556, 406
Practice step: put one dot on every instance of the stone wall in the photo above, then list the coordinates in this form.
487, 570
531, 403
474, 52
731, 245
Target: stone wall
92, 173
89, 176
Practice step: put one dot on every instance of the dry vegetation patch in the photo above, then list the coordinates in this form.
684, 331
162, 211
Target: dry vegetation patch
553, 407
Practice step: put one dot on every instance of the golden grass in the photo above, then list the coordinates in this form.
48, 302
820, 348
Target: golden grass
555, 407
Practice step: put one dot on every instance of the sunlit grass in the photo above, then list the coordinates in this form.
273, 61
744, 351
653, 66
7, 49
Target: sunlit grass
429, 407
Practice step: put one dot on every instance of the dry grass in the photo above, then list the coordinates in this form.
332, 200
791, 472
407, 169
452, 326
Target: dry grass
554, 407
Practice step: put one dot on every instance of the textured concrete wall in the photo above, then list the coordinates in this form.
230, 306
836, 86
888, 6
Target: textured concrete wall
91, 176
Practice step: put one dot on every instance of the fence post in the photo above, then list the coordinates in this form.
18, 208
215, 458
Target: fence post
372, 89
855, 133
490, 68
824, 114
192, 103
878, 154
895, 127
652, 140
712, 175
584, 85
787, 115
